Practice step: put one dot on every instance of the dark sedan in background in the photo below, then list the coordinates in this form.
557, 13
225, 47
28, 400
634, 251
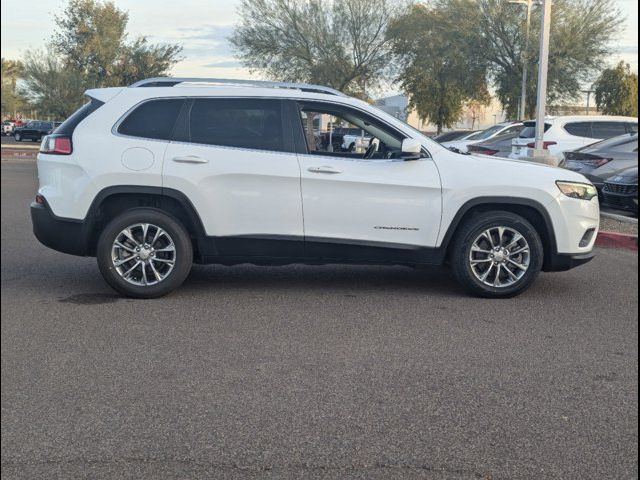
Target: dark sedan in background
603, 160
453, 135
34, 130
621, 191
499, 146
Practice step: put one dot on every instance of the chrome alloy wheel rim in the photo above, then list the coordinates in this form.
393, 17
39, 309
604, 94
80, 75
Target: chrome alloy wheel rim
143, 254
500, 257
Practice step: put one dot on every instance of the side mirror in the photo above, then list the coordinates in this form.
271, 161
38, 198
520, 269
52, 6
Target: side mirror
411, 149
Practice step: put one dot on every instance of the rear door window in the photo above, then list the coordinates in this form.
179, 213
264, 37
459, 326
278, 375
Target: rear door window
608, 129
580, 129
154, 119
241, 123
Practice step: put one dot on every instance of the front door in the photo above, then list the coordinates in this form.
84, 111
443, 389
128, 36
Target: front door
364, 202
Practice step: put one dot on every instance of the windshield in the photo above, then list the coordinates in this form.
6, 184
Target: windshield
486, 133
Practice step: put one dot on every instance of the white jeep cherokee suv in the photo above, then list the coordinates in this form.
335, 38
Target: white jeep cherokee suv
153, 177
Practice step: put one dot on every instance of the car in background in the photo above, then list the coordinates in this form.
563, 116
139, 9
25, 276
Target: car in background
355, 138
499, 146
453, 135
8, 127
562, 134
34, 130
621, 192
462, 146
605, 159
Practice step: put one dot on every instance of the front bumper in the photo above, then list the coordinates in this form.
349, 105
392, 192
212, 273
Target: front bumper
61, 234
562, 262
628, 202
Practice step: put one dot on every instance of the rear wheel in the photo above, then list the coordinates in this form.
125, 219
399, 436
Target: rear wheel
144, 253
497, 255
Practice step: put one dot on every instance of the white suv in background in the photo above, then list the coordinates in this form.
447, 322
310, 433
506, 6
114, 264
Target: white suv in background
153, 177
462, 145
564, 134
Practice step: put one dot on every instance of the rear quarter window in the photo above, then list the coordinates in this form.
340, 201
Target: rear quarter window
579, 129
528, 130
154, 119
69, 125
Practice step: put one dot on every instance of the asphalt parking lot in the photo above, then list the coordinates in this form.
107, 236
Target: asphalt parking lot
311, 372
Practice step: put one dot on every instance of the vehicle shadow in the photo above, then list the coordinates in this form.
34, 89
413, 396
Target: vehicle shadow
325, 278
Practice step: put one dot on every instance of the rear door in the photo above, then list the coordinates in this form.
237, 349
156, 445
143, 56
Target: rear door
234, 159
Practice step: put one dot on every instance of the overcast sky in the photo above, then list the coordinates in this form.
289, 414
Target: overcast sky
201, 26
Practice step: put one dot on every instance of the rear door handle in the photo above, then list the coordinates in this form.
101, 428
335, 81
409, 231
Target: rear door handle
324, 169
190, 159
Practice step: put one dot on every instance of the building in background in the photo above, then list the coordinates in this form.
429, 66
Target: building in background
475, 118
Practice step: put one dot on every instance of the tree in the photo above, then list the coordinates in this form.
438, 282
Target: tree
440, 73
341, 44
11, 99
90, 49
52, 89
581, 35
617, 91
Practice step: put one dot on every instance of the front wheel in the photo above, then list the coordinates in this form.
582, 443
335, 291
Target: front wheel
144, 253
18, 137
497, 255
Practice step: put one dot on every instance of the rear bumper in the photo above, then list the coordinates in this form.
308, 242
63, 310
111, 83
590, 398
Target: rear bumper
61, 234
562, 262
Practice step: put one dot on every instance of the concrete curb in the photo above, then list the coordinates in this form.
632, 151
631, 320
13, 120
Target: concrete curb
619, 218
617, 240
18, 146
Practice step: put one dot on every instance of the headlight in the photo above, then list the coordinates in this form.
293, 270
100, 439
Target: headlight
581, 191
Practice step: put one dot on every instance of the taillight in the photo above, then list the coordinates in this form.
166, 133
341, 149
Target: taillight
484, 151
56, 145
545, 145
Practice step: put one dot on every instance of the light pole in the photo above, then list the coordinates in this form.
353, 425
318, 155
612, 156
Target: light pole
522, 111
588, 92
543, 68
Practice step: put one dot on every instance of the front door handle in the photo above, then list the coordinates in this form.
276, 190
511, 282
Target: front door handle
190, 159
324, 169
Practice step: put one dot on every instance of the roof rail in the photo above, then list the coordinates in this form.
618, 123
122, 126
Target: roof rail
173, 81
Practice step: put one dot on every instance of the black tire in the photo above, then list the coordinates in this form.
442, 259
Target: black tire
183, 253
471, 230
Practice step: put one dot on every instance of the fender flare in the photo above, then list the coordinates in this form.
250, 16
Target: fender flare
507, 201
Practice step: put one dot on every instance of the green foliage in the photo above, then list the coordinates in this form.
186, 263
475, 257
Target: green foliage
11, 99
90, 49
441, 72
487, 39
340, 44
581, 34
52, 89
617, 91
